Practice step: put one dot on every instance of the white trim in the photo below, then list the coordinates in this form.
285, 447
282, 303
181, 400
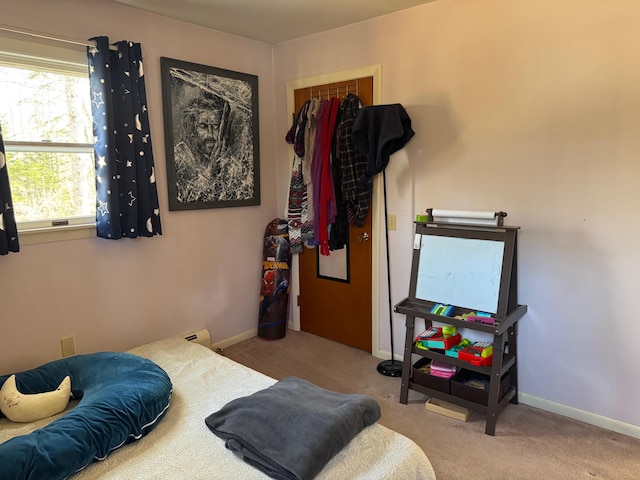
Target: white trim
56, 234
386, 355
227, 342
12, 146
376, 209
581, 415
39, 226
374, 71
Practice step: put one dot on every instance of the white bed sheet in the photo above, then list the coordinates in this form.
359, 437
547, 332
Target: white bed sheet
182, 447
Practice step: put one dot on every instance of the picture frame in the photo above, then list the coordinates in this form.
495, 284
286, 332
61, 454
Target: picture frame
211, 136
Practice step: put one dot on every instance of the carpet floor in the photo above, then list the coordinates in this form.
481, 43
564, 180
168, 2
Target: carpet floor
529, 443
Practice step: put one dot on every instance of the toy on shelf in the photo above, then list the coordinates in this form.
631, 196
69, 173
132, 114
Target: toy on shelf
449, 330
479, 317
478, 353
442, 310
435, 338
453, 351
429, 332
442, 370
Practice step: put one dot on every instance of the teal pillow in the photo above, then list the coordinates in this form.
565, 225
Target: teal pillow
122, 397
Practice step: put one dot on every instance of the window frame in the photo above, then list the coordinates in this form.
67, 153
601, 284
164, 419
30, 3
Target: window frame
69, 60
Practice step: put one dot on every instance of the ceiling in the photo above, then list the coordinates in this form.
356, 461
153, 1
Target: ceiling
272, 21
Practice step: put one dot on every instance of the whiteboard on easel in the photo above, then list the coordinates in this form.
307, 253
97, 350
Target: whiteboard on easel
463, 272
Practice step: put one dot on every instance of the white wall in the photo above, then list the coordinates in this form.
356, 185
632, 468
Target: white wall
529, 107
204, 271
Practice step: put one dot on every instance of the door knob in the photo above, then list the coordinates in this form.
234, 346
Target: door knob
363, 237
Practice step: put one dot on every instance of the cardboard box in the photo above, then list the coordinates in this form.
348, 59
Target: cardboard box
448, 409
424, 378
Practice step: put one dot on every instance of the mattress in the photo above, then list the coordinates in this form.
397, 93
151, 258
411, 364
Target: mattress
182, 447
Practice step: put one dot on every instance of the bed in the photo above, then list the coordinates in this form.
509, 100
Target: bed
181, 446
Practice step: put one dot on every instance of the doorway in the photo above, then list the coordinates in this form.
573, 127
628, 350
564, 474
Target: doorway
342, 307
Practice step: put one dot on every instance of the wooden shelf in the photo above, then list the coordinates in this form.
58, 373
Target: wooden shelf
476, 407
507, 361
421, 309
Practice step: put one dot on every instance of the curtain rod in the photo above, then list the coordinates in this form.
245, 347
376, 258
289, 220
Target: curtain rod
45, 36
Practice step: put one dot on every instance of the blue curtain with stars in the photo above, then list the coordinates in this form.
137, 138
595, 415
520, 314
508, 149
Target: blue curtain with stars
8, 228
127, 196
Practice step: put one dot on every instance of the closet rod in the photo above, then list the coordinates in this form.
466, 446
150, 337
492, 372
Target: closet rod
336, 92
331, 89
46, 36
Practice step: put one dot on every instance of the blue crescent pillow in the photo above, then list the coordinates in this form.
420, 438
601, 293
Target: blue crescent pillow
122, 397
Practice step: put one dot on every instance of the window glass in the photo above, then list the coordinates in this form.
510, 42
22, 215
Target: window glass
51, 185
42, 106
45, 115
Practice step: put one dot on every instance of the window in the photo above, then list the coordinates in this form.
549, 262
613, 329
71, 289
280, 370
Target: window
45, 115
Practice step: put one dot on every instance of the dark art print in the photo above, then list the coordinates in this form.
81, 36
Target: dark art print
211, 136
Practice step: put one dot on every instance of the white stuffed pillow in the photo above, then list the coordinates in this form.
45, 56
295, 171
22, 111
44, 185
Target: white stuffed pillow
19, 407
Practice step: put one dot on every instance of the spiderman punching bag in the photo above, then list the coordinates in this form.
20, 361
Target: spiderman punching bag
274, 291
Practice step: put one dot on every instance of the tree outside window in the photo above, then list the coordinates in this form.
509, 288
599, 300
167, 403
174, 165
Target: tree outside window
46, 121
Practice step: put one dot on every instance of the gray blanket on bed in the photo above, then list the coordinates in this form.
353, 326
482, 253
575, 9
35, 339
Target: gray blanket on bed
292, 429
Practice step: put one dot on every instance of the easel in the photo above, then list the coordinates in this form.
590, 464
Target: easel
468, 237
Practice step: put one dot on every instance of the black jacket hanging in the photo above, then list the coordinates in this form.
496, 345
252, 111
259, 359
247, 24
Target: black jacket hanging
379, 131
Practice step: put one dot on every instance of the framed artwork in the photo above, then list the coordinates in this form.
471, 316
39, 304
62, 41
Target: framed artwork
211, 136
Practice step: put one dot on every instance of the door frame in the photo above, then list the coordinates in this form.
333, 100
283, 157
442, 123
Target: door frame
374, 71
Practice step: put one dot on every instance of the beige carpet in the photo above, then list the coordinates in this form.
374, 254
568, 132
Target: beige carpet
529, 443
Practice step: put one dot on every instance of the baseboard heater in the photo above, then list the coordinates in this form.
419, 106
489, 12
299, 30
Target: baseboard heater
201, 336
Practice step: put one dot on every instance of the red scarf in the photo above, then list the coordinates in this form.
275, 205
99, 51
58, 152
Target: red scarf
327, 195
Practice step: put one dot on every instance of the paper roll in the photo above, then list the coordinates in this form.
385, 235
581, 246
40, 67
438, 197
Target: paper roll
476, 215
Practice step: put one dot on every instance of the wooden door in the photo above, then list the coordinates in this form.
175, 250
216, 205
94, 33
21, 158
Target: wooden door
332, 306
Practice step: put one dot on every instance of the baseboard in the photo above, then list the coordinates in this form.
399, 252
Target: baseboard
581, 415
386, 355
227, 342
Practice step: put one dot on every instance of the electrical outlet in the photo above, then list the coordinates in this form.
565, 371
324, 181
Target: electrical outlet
391, 221
67, 347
